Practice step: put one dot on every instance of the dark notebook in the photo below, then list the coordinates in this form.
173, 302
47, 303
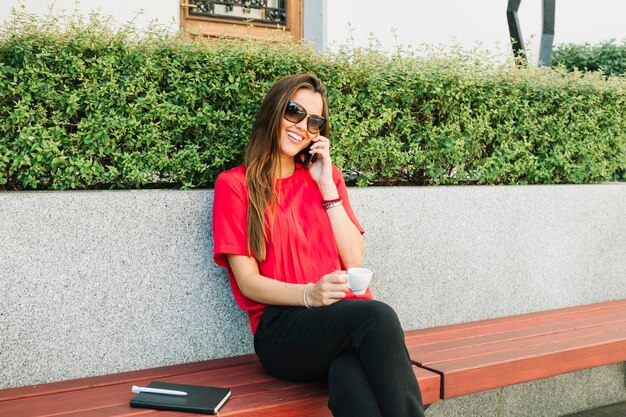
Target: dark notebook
199, 399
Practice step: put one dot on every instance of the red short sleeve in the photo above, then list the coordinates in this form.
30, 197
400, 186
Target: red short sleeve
343, 194
230, 204
296, 252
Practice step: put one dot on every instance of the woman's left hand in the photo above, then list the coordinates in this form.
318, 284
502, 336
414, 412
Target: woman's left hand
322, 169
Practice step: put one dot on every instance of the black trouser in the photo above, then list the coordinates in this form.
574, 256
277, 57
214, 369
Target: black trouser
357, 344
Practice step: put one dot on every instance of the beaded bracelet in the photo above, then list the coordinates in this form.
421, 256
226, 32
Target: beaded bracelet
306, 302
331, 203
334, 200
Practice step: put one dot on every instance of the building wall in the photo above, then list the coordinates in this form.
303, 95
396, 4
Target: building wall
415, 22
468, 22
141, 12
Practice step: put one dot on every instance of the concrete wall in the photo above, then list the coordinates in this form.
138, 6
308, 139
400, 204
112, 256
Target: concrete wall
548, 397
105, 281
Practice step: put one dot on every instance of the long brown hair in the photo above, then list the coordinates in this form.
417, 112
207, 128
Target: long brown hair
263, 156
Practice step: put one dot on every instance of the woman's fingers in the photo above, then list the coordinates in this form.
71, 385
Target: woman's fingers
331, 298
320, 142
320, 138
334, 283
331, 288
321, 169
337, 277
334, 287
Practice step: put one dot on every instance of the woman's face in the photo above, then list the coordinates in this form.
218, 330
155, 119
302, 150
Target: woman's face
294, 136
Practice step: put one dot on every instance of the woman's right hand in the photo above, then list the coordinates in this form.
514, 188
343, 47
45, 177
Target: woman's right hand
328, 290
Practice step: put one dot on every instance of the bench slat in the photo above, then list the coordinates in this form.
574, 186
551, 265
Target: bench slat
430, 384
98, 381
465, 380
511, 329
253, 392
474, 357
244, 379
490, 347
504, 324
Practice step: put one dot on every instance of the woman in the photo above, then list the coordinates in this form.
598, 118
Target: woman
284, 229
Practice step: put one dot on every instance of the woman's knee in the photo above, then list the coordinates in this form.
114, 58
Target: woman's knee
376, 316
382, 314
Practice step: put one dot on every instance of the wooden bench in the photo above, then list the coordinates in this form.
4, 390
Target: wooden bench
450, 361
254, 393
494, 353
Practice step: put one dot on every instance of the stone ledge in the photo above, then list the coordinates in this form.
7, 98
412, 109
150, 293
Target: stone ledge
99, 282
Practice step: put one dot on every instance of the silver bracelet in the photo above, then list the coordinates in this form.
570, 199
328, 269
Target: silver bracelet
306, 288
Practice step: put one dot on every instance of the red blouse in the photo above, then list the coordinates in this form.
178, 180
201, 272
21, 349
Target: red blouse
301, 247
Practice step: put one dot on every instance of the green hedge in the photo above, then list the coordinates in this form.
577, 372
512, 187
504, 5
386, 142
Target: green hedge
82, 107
608, 57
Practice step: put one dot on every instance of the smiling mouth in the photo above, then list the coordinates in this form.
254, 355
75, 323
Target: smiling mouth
295, 137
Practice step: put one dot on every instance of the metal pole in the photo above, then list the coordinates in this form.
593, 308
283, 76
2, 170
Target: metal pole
514, 31
547, 33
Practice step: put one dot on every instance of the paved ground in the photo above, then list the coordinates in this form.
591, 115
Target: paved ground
613, 410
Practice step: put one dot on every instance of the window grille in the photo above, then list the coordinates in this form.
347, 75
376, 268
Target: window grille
261, 11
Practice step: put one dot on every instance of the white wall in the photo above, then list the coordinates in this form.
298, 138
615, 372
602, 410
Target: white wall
470, 21
416, 21
141, 12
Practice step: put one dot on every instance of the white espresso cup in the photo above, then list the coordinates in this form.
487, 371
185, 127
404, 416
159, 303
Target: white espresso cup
359, 279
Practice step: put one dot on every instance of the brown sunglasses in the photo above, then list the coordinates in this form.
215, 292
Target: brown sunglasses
295, 113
